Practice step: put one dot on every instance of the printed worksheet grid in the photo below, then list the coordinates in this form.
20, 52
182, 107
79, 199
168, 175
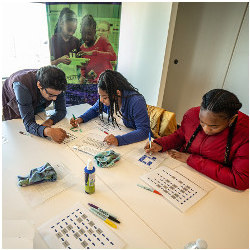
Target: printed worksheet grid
178, 190
77, 229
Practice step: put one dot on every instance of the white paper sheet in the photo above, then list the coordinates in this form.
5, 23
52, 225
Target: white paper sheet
78, 228
38, 193
176, 188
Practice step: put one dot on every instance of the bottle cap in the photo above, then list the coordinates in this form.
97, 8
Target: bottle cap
90, 164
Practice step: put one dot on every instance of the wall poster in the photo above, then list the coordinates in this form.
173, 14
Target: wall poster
84, 42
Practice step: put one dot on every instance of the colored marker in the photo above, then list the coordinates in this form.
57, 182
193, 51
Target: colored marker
149, 138
77, 123
149, 189
106, 132
105, 213
100, 215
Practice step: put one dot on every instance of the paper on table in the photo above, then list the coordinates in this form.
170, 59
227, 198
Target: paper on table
39, 193
78, 228
90, 143
142, 159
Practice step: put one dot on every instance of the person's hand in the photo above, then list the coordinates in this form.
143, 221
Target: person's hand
154, 147
111, 140
179, 155
57, 134
85, 53
75, 122
64, 59
48, 123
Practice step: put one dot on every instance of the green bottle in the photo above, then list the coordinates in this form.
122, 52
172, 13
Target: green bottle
89, 178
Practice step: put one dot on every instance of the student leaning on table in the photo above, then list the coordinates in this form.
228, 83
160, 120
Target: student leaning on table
118, 97
28, 92
213, 139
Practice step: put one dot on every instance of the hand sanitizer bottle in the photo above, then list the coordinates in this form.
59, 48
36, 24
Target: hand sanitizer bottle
89, 178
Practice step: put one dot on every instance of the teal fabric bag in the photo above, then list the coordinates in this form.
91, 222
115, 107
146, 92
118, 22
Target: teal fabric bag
37, 175
106, 159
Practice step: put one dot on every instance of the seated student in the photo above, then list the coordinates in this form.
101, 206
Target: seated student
119, 97
29, 91
213, 139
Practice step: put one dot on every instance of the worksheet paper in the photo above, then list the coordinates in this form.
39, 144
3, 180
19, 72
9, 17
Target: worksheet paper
139, 157
180, 191
38, 193
90, 143
78, 228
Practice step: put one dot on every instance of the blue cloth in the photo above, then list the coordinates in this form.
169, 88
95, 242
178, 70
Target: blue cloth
27, 112
106, 159
135, 116
37, 175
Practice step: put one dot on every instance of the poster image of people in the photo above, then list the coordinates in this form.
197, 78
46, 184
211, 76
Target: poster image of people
84, 42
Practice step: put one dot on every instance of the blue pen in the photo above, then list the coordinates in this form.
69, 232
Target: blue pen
149, 138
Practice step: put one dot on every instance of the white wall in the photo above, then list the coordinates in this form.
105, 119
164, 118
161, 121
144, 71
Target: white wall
143, 37
204, 39
237, 79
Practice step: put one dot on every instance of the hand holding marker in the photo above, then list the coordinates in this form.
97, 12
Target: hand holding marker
149, 138
77, 123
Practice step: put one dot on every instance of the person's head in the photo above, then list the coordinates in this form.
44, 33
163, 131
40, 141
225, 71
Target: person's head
219, 109
51, 81
67, 23
88, 30
111, 85
103, 29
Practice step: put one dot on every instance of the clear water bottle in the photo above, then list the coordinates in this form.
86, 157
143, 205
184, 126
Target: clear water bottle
89, 171
198, 244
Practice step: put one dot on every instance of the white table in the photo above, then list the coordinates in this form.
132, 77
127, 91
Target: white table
147, 220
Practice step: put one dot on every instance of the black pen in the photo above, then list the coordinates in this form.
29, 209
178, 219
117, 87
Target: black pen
106, 214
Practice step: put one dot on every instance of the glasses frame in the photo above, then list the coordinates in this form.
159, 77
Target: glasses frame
50, 95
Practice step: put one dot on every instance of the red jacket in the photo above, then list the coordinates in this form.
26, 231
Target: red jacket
207, 152
103, 53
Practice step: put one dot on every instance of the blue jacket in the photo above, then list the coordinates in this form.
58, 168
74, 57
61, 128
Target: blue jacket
135, 116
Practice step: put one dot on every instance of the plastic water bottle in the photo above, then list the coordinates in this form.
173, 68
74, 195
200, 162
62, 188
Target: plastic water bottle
89, 178
198, 244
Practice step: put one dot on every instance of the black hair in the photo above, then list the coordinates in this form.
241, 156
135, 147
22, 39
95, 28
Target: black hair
111, 81
88, 21
51, 77
66, 14
221, 102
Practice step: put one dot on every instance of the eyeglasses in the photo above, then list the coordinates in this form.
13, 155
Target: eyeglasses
50, 95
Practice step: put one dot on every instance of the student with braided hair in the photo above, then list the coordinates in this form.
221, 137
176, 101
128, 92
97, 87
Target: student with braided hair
117, 97
96, 48
213, 139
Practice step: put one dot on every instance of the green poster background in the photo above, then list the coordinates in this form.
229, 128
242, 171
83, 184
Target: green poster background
109, 12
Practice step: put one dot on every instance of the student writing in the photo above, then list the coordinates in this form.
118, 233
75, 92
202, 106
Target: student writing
28, 92
118, 97
213, 139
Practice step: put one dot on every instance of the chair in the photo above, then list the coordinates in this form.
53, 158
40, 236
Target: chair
162, 122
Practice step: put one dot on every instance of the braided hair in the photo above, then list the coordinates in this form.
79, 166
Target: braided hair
219, 101
66, 14
111, 81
